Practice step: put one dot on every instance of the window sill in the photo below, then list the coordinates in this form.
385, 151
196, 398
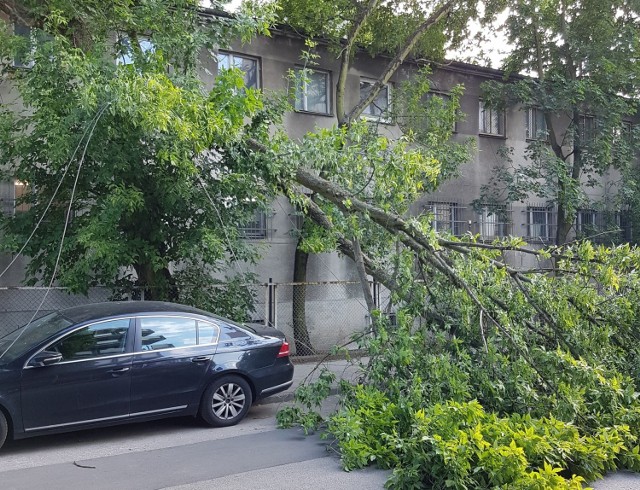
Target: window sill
312, 113
493, 136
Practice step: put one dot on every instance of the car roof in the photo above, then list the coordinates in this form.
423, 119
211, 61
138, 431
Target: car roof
95, 311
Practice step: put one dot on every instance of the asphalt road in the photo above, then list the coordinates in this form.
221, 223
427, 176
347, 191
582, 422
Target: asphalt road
180, 454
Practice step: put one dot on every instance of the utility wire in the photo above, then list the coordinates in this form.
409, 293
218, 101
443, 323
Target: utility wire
55, 192
224, 228
66, 223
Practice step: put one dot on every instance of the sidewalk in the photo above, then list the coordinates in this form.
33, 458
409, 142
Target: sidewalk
308, 369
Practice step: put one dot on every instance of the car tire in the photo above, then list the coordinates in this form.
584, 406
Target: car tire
226, 401
4, 428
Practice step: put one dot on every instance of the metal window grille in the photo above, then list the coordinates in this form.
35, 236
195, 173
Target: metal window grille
447, 217
624, 222
586, 129
494, 221
536, 124
540, 223
258, 228
491, 120
586, 222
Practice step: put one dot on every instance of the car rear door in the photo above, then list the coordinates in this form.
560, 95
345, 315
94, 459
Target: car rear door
173, 355
91, 383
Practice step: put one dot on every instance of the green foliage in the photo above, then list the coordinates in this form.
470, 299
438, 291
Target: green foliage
585, 85
232, 297
536, 390
387, 27
132, 168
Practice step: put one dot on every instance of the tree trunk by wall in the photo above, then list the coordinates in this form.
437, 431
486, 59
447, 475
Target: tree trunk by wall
300, 331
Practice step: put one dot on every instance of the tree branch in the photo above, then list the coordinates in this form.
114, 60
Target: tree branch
398, 59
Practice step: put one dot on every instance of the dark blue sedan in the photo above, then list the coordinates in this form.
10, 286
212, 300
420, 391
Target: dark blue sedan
111, 363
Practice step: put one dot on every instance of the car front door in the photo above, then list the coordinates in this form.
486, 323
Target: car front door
90, 381
172, 357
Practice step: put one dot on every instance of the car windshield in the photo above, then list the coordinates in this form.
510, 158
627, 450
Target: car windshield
17, 342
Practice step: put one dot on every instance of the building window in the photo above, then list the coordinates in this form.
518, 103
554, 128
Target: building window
493, 222
491, 120
312, 91
257, 228
586, 130
380, 106
536, 124
624, 222
539, 223
439, 102
585, 222
24, 56
125, 51
250, 67
446, 217
11, 194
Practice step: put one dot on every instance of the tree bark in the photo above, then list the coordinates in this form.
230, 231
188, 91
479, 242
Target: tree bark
300, 331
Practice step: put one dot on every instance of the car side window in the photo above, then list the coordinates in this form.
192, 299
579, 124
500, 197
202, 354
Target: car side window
167, 332
207, 333
97, 340
231, 333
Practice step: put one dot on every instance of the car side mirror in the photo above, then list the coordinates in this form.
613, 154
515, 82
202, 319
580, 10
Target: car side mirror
45, 358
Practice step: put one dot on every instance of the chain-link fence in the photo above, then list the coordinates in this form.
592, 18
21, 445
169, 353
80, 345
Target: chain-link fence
315, 316
20, 305
319, 315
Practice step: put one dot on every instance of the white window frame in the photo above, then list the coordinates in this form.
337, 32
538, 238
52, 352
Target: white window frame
547, 225
126, 58
385, 115
303, 81
533, 132
486, 116
231, 56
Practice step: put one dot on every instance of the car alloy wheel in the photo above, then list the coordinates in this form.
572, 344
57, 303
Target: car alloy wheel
226, 401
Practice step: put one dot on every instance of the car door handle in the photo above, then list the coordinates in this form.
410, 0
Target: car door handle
200, 359
119, 371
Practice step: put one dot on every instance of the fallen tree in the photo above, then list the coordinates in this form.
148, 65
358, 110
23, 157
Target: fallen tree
512, 378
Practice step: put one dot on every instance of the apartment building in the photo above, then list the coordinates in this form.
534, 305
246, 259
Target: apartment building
267, 63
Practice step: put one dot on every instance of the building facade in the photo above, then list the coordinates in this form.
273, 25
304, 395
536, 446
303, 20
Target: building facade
267, 63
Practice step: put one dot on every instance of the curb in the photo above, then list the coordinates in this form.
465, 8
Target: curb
285, 397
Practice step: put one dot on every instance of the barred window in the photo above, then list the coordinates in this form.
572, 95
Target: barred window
494, 221
536, 124
539, 223
491, 120
257, 228
586, 129
446, 217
